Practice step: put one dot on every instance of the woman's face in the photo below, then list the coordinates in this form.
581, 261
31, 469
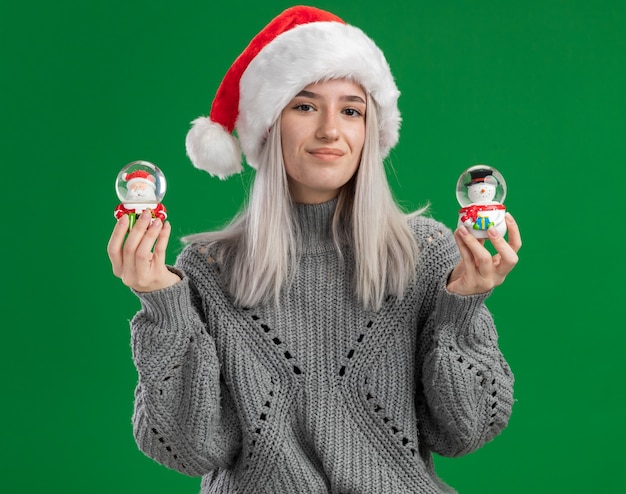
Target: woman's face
322, 133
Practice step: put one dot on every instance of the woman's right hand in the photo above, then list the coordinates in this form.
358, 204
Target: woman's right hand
140, 260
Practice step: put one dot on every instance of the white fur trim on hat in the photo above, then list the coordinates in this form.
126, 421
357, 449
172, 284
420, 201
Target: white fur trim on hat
212, 148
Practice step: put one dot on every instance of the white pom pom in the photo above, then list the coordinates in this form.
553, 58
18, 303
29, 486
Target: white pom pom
212, 148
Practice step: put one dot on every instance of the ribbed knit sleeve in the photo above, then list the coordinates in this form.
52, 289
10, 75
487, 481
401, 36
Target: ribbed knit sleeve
183, 416
465, 393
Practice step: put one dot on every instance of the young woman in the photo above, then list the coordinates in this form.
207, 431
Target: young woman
324, 341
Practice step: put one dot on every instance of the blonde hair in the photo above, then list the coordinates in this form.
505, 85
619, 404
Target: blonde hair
261, 245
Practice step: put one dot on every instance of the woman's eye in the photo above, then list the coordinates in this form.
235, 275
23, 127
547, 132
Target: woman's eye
352, 112
304, 107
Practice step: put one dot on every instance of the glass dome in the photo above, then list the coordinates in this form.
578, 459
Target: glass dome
480, 184
140, 182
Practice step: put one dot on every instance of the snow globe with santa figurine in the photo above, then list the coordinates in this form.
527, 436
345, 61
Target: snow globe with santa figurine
140, 185
481, 190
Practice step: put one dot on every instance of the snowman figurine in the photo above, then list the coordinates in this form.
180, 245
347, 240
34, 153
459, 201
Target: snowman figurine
480, 191
140, 185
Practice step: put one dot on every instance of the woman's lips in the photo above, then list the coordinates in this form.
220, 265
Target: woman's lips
327, 154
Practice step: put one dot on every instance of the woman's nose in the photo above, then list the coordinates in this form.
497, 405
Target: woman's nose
327, 128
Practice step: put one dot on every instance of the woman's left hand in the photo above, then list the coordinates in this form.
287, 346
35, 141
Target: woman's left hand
479, 272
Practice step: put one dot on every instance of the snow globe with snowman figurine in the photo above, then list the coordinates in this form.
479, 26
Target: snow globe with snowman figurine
481, 190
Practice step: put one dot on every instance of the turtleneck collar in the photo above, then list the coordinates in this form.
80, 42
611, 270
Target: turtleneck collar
314, 222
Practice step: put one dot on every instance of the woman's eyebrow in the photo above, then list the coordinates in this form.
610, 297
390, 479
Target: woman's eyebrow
307, 94
352, 99
312, 95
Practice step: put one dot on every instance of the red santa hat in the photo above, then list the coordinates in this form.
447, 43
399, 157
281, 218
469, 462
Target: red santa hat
301, 46
139, 176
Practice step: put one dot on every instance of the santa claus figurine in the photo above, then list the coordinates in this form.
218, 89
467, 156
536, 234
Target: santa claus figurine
480, 191
140, 186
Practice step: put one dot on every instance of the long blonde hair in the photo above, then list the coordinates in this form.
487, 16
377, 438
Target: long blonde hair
261, 246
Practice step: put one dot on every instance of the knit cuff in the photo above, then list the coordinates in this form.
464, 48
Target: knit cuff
464, 315
171, 306
164, 328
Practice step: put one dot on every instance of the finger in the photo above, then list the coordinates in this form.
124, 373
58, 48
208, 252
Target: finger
133, 240
114, 247
466, 255
144, 258
477, 267
480, 256
161, 243
515, 238
471, 250
506, 258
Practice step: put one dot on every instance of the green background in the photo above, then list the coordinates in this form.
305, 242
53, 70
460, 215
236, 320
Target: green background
534, 88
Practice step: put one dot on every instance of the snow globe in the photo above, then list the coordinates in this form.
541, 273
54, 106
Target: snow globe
140, 185
481, 190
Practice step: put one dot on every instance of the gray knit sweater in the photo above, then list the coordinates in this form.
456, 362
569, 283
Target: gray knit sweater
319, 395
